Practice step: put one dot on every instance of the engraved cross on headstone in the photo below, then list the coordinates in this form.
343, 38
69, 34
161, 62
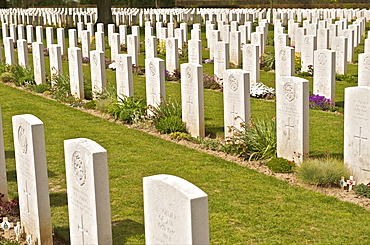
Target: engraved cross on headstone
28, 195
234, 115
82, 229
360, 138
190, 104
289, 127
154, 95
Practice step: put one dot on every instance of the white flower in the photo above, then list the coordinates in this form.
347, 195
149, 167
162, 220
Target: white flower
260, 90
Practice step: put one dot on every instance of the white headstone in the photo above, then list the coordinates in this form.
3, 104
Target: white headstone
150, 47
251, 62
175, 211
195, 51
61, 40
72, 35
193, 98
99, 41
236, 101
124, 80
307, 49
340, 45
284, 62
29, 33
88, 192
155, 83
132, 48
75, 72
38, 62
115, 46
49, 36
292, 118
55, 57
22, 52
357, 132
39, 34
364, 69
172, 54
85, 41
32, 178
98, 75
235, 47
323, 38
324, 74
221, 62
9, 50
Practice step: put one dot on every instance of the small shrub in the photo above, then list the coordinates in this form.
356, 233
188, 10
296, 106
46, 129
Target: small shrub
270, 41
208, 143
8, 208
359, 50
7, 77
362, 190
90, 105
168, 109
322, 171
210, 82
170, 124
346, 77
40, 88
61, 90
258, 141
183, 52
172, 76
280, 165
317, 102
137, 69
180, 136
127, 109
267, 61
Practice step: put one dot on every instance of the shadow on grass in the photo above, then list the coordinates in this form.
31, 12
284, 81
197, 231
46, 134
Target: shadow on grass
11, 176
213, 132
9, 154
121, 231
58, 199
315, 154
61, 235
124, 229
339, 103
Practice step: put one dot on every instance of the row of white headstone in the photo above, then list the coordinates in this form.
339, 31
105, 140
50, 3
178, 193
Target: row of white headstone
323, 65
176, 211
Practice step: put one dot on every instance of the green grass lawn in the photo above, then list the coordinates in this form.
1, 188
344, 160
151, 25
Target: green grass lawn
245, 207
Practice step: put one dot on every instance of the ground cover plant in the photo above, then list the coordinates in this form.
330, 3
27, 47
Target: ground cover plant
245, 206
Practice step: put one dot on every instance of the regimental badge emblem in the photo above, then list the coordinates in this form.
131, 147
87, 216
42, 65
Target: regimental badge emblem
282, 55
79, 168
233, 82
367, 63
152, 69
289, 91
22, 140
189, 76
322, 59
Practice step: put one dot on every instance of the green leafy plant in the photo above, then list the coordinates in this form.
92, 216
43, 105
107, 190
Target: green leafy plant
40, 88
325, 171
362, 190
297, 63
258, 140
346, 77
61, 89
90, 105
267, 61
280, 165
183, 52
127, 109
211, 82
180, 136
164, 117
